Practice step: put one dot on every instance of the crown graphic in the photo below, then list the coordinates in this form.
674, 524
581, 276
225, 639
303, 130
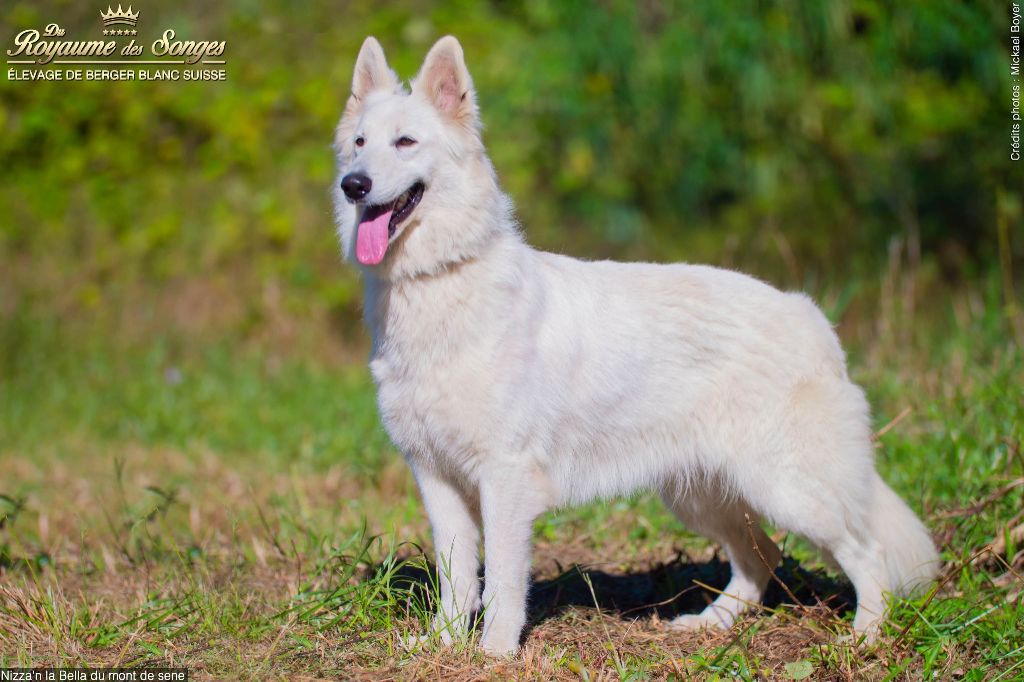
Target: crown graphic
110, 17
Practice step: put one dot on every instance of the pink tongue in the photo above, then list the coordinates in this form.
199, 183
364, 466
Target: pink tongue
372, 239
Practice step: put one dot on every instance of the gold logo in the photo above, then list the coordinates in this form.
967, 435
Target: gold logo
110, 17
174, 57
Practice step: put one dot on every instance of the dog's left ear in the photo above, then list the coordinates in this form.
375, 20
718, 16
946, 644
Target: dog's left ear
446, 83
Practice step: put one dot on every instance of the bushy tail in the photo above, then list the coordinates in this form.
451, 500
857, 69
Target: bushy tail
910, 556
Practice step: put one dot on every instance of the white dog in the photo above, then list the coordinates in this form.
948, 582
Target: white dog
515, 381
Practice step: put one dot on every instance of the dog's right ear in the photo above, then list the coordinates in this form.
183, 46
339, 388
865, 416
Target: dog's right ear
371, 73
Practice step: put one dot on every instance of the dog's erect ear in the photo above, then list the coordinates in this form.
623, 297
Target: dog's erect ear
445, 81
372, 72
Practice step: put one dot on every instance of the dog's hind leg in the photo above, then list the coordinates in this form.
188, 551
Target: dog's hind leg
844, 537
826, 489
752, 554
863, 561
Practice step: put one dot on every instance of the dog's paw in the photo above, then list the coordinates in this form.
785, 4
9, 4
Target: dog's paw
501, 636
414, 642
442, 631
500, 644
860, 638
696, 621
499, 649
867, 627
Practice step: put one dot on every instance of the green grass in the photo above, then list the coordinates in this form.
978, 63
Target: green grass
214, 506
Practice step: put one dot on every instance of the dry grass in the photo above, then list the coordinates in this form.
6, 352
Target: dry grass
202, 529
224, 604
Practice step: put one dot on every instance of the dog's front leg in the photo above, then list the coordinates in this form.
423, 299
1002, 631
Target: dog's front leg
509, 503
456, 530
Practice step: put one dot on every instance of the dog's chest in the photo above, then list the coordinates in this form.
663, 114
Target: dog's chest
435, 409
442, 362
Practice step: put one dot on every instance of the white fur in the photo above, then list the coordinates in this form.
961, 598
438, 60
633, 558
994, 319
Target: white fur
515, 381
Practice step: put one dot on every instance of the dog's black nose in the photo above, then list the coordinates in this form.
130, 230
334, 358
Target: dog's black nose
356, 185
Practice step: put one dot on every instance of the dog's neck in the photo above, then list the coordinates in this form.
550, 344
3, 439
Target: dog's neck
423, 305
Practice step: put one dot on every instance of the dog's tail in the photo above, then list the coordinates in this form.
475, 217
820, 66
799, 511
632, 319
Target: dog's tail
910, 556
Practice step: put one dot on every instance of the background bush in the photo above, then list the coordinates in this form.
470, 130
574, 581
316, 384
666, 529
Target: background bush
807, 142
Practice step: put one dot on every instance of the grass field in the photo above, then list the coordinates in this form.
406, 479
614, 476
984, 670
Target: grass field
240, 512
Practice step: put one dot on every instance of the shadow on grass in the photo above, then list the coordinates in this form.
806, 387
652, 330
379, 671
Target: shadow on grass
668, 589
675, 588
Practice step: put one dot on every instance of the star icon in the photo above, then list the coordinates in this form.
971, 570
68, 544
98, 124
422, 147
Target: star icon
106, 32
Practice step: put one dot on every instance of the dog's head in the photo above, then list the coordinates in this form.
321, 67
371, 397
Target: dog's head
413, 176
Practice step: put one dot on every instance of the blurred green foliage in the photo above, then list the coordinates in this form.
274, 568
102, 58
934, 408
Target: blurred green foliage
778, 136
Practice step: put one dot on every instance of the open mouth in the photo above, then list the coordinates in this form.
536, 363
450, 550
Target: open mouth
379, 222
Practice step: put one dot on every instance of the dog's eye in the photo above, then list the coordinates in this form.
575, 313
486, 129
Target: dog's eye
405, 141
360, 141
